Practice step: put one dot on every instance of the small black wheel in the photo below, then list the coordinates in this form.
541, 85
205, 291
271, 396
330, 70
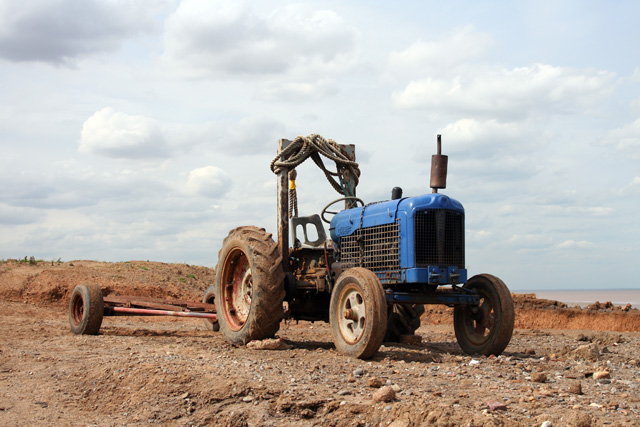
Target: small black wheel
86, 309
487, 328
355, 200
210, 298
402, 319
358, 313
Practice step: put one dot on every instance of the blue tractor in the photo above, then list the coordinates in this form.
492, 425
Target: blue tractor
370, 280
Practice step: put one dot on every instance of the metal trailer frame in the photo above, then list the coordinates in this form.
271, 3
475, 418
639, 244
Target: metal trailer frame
87, 307
124, 305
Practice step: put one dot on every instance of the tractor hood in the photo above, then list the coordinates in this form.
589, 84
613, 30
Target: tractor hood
348, 221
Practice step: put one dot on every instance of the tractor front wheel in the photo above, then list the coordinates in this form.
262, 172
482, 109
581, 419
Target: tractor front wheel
487, 328
358, 313
249, 285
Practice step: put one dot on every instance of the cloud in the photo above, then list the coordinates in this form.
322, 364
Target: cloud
119, 135
227, 39
567, 211
481, 91
247, 136
439, 57
12, 215
626, 139
488, 138
56, 31
277, 90
572, 244
208, 181
528, 242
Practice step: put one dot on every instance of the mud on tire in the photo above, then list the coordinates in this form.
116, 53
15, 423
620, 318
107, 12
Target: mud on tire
358, 313
249, 285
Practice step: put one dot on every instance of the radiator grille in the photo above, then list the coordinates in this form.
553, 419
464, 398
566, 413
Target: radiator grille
375, 248
439, 238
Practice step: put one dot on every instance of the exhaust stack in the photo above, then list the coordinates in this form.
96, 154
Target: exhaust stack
439, 168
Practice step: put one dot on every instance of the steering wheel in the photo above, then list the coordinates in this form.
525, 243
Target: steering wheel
325, 211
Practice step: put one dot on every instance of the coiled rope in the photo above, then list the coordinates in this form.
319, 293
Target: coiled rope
314, 145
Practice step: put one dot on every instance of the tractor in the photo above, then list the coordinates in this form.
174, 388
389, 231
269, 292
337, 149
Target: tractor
370, 277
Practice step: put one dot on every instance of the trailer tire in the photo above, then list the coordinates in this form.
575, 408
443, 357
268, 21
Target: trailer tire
358, 313
210, 298
485, 329
402, 319
249, 285
86, 309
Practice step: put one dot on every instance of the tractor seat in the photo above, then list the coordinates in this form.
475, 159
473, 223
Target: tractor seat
304, 221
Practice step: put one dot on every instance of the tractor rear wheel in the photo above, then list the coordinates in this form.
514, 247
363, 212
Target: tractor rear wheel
358, 313
86, 309
402, 319
487, 328
249, 285
210, 298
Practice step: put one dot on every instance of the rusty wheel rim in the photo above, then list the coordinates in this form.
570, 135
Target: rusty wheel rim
77, 309
351, 314
237, 284
480, 321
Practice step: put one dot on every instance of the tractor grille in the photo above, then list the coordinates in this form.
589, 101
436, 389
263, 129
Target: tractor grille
439, 238
375, 248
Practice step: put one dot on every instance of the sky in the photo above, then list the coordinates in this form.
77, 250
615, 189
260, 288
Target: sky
143, 130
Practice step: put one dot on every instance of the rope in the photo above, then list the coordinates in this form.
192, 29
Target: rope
303, 147
293, 195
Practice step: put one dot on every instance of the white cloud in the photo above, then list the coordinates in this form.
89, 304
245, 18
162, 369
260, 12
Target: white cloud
580, 244
223, 39
530, 241
208, 181
509, 93
119, 135
626, 139
488, 138
247, 136
56, 31
594, 211
424, 58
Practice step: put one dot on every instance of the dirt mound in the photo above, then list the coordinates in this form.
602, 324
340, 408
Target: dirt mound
534, 313
52, 283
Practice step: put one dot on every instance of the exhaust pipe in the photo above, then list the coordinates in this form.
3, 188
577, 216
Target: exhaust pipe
439, 168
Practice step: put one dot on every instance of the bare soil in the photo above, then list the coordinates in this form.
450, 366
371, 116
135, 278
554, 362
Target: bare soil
567, 366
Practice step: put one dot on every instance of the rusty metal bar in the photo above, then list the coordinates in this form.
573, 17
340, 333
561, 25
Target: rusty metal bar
127, 311
283, 208
157, 303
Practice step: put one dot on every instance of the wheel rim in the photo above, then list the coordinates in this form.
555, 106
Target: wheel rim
480, 321
237, 283
77, 309
352, 317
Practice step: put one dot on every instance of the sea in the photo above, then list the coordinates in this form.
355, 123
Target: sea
586, 297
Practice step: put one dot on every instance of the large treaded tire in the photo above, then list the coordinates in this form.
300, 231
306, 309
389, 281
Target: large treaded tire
402, 319
486, 329
249, 285
358, 313
86, 309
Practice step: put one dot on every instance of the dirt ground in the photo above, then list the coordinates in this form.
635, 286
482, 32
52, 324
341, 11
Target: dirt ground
566, 366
